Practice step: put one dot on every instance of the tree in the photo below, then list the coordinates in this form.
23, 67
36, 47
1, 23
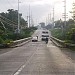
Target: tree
12, 17
58, 23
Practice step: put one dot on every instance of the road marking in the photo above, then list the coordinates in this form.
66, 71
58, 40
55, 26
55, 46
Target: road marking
23, 66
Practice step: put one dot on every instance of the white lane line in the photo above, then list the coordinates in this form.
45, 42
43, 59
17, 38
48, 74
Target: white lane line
23, 66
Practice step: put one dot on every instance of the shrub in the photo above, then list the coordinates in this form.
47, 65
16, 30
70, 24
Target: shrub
71, 34
8, 41
1, 41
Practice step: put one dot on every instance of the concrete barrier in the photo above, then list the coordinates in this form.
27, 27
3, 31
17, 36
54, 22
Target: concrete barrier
15, 43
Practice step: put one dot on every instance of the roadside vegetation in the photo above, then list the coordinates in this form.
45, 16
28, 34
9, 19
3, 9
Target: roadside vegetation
8, 27
66, 31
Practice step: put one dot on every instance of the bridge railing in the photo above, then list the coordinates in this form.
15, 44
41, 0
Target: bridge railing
14, 43
63, 43
19, 41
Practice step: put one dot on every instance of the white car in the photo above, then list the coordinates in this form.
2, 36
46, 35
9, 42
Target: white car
34, 39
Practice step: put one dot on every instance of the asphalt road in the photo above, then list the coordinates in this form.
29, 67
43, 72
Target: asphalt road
36, 58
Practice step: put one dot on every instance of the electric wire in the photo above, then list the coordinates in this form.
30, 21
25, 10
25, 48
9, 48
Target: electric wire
7, 21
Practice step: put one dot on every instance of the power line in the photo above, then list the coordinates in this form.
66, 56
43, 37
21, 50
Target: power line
2, 17
9, 22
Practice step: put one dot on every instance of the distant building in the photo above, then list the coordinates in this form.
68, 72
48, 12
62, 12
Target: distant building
49, 26
42, 24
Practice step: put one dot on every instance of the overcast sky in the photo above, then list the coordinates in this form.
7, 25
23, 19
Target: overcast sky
39, 8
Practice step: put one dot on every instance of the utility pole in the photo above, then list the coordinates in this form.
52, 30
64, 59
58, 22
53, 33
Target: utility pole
50, 17
32, 22
18, 19
53, 17
29, 15
27, 19
46, 21
65, 13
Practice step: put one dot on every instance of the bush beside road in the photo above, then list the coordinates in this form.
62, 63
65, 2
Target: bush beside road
65, 37
12, 38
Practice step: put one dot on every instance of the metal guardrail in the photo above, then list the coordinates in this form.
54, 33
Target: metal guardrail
57, 39
63, 42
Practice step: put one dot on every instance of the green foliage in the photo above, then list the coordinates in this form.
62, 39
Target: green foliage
8, 41
28, 31
9, 37
71, 35
1, 32
68, 36
7, 34
58, 33
63, 32
1, 41
57, 24
11, 18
